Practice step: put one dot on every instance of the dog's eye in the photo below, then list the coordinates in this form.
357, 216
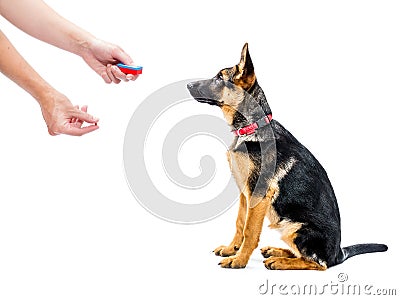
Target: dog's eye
220, 76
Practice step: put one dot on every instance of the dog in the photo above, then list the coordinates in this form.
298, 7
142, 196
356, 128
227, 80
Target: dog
296, 196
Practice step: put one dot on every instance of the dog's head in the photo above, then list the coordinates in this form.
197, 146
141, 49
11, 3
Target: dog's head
229, 88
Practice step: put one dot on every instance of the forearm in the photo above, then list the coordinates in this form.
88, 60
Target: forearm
37, 19
14, 66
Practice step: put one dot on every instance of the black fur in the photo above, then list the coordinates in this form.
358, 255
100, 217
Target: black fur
306, 195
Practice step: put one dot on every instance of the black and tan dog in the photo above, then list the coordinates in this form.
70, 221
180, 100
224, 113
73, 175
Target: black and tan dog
297, 196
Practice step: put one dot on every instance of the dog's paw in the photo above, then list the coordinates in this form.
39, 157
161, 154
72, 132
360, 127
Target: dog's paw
272, 263
276, 252
233, 262
226, 250
298, 263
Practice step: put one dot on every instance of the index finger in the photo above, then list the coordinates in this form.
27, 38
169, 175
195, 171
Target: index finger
122, 56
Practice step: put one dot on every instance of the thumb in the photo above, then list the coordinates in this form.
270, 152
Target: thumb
84, 116
123, 57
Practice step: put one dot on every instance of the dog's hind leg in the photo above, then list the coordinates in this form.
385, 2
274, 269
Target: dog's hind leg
234, 246
276, 252
298, 263
289, 231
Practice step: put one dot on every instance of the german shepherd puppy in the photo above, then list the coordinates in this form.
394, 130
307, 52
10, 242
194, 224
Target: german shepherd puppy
297, 197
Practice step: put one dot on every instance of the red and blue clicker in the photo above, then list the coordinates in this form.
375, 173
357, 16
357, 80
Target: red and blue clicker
134, 70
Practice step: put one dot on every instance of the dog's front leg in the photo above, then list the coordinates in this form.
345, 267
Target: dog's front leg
237, 241
252, 230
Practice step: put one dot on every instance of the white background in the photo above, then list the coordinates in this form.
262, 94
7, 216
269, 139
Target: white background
69, 226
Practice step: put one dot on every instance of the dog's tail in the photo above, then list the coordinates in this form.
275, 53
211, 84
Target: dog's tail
353, 250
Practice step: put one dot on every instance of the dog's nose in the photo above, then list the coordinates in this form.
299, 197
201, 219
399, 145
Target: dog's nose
189, 85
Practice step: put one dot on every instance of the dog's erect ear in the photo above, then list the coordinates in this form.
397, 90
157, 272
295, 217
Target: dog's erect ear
245, 76
246, 65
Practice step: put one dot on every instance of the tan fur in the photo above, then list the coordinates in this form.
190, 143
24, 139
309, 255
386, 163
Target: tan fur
288, 231
245, 81
280, 173
252, 231
228, 112
229, 73
252, 209
277, 252
243, 54
298, 263
247, 234
241, 167
230, 99
234, 246
271, 213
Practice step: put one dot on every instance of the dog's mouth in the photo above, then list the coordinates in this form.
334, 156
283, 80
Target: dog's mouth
207, 100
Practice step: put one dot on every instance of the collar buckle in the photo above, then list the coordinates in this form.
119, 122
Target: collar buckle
250, 129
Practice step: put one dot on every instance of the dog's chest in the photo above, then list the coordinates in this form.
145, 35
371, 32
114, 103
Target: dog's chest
241, 167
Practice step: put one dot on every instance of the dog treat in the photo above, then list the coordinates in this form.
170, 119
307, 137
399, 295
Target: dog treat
134, 70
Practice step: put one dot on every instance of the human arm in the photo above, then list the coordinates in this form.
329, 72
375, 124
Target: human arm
39, 20
58, 112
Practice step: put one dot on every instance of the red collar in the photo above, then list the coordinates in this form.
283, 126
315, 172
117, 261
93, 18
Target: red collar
250, 129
